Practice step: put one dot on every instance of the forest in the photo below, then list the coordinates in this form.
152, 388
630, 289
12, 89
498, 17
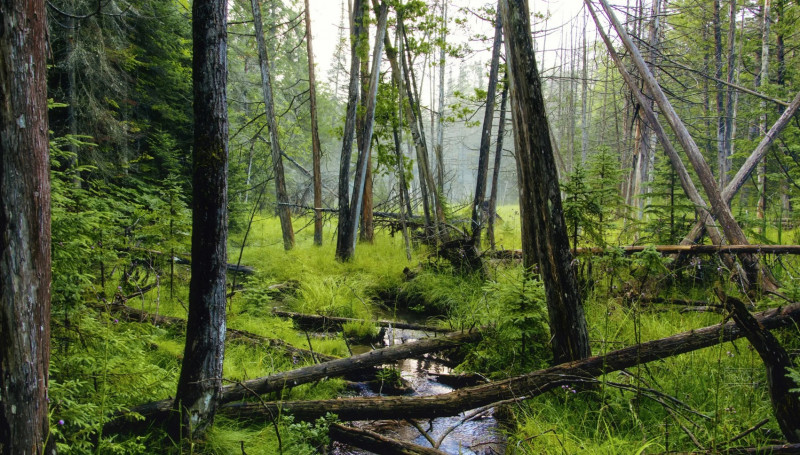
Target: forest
399, 226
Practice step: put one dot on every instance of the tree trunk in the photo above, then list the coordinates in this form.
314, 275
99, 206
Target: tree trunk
439, 147
543, 212
200, 379
281, 197
763, 78
750, 163
155, 411
733, 232
367, 220
785, 403
318, 322
478, 210
528, 386
498, 155
369, 440
346, 242
358, 34
727, 139
315, 146
25, 226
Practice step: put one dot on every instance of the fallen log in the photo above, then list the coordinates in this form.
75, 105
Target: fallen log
529, 385
185, 260
374, 442
133, 314
785, 404
317, 322
670, 249
157, 411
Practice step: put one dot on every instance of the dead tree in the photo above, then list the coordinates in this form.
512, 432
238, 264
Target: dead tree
733, 232
315, 147
24, 230
486, 136
281, 195
542, 215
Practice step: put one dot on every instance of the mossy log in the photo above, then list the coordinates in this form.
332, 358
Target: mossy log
670, 249
529, 385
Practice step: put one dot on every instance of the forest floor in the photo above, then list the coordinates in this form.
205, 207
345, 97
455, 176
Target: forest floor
709, 399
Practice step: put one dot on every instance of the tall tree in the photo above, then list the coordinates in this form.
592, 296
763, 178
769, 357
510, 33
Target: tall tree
24, 229
200, 380
542, 214
345, 247
281, 197
498, 155
315, 147
486, 135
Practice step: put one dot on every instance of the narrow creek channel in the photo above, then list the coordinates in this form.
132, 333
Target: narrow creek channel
462, 434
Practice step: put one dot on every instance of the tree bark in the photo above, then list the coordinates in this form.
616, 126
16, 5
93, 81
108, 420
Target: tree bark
763, 78
733, 232
676, 249
346, 242
369, 440
785, 403
727, 139
528, 386
358, 34
281, 197
25, 226
498, 155
478, 214
315, 146
200, 379
544, 216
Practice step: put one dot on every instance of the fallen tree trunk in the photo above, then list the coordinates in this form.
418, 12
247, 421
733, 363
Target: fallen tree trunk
672, 249
133, 314
157, 411
369, 440
785, 404
185, 260
529, 385
317, 322
781, 449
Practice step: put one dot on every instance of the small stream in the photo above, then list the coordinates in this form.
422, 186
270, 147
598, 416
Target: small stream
478, 435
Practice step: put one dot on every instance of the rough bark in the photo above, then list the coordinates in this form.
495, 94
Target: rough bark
529, 385
315, 146
761, 79
486, 136
785, 403
200, 379
281, 196
732, 231
543, 212
25, 226
369, 440
727, 139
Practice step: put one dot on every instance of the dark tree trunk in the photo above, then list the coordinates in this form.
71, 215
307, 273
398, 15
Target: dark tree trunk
478, 214
539, 180
281, 197
369, 440
501, 130
25, 227
346, 242
315, 147
358, 34
200, 380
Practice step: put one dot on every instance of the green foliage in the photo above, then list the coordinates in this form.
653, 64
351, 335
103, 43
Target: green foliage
581, 208
519, 340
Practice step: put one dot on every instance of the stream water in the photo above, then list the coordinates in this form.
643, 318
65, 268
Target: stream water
463, 434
